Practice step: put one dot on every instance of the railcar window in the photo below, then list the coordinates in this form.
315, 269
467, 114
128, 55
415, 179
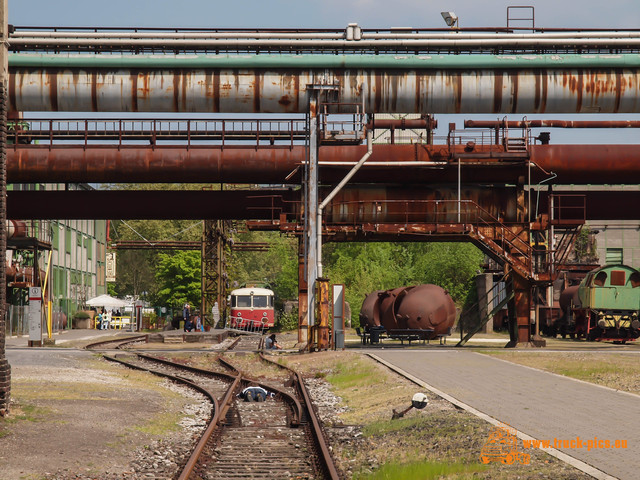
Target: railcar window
260, 301
635, 279
618, 278
271, 296
600, 279
243, 301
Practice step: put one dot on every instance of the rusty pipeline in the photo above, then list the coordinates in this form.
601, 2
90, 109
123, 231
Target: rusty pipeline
417, 163
410, 84
551, 124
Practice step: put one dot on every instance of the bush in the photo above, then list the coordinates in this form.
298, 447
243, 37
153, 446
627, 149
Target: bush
81, 315
287, 321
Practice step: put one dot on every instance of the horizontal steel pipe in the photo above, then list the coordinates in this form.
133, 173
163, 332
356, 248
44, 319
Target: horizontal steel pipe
551, 124
279, 83
573, 164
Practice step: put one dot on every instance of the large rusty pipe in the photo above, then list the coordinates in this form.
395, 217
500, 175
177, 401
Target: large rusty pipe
551, 124
577, 164
412, 84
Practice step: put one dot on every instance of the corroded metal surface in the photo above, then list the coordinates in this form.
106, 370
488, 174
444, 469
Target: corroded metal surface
280, 90
576, 164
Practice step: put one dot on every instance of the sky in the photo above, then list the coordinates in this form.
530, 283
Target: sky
337, 14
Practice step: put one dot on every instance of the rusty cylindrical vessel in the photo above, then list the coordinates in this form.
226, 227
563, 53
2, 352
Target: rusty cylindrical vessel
370, 311
426, 307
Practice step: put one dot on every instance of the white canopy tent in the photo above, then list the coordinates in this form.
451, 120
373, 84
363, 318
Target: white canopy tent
107, 301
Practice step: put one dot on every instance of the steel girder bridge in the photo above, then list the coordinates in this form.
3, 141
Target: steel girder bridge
326, 88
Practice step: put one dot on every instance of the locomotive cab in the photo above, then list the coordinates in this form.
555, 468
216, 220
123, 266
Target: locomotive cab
610, 296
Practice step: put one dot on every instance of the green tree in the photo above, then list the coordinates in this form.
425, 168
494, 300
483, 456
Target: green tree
178, 277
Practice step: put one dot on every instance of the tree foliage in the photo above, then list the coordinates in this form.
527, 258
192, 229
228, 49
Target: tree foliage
178, 277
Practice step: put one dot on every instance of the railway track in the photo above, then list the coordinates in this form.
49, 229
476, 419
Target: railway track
247, 343
277, 438
117, 344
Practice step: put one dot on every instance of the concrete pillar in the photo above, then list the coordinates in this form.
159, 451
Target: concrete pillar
5, 368
484, 284
520, 312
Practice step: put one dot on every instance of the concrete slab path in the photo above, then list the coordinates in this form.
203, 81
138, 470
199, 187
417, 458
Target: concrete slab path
537, 403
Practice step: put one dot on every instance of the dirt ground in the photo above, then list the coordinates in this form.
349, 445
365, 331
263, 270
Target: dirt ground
84, 420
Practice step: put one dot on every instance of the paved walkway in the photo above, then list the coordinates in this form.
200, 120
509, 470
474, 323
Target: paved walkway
540, 404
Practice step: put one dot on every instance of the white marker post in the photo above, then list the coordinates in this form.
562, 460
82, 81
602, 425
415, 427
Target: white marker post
35, 317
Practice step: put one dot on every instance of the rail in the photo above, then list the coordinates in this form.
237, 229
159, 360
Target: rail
319, 438
152, 131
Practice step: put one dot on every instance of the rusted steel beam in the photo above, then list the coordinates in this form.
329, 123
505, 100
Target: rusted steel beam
145, 204
356, 205
389, 85
573, 164
552, 124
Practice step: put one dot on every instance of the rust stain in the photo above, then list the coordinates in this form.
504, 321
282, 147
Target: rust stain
458, 91
216, 91
498, 82
94, 91
378, 92
256, 91
515, 79
579, 89
53, 90
176, 91
545, 91
134, 91
537, 88
296, 91
619, 90
285, 101
418, 99
12, 91
186, 81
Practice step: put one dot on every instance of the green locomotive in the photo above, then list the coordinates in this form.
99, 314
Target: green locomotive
609, 301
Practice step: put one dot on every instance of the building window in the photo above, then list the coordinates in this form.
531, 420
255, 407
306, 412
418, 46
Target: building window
614, 256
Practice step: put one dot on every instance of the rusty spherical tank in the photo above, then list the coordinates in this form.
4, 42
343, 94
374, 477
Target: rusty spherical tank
569, 297
387, 302
426, 307
370, 310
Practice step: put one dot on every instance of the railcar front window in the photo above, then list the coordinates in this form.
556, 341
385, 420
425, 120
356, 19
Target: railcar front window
243, 301
260, 301
271, 301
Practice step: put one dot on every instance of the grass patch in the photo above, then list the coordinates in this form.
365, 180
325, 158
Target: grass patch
352, 375
160, 424
423, 470
615, 370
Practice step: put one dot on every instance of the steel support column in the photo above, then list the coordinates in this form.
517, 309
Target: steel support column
311, 210
5, 368
303, 325
214, 276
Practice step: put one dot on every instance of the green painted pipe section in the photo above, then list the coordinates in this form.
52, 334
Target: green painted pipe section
403, 62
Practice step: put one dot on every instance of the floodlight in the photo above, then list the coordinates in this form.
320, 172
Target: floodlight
450, 18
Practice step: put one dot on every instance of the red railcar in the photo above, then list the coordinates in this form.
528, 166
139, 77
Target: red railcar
252, 308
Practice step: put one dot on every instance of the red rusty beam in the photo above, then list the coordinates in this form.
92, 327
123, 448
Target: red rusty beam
145, 204
268, 204
551, 124
573, 164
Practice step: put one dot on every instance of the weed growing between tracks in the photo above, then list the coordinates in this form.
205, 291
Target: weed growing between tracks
437, 442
